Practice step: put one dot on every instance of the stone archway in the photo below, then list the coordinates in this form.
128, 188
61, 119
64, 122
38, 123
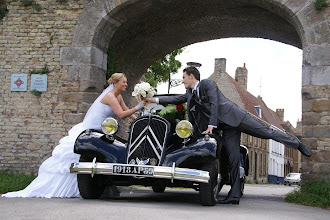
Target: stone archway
142, 31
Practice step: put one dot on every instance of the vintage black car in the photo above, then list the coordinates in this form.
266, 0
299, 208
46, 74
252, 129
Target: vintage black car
159, 153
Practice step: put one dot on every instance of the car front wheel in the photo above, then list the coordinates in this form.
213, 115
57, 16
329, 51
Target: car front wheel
90, 187
158, 188
208, 192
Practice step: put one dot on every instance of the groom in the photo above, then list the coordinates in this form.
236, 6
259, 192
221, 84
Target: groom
209, 110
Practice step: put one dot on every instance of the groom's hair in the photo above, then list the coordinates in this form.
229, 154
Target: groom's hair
192, 70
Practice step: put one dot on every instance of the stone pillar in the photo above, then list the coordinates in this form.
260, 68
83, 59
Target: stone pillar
316, 110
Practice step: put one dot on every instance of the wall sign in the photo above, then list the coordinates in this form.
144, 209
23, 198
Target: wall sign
39, 82
18, 82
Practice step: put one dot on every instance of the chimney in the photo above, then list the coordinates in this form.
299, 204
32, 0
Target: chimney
220, 65
299, 126
241, 76
280, 113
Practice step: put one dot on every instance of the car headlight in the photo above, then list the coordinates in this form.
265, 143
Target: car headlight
184, 129
109, 126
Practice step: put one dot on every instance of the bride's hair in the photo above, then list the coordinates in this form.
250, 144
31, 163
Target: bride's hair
115, 77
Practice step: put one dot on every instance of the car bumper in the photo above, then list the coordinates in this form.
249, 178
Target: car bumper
292, 181
172, 173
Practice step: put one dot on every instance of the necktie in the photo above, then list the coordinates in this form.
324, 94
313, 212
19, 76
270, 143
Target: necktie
196, 97
195, 93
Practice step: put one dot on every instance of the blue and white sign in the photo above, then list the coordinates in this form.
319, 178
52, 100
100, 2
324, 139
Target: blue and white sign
39, 82
18, 82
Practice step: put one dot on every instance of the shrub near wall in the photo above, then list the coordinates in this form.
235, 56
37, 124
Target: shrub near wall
31, 126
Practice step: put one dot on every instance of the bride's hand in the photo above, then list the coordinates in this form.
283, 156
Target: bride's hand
139, 106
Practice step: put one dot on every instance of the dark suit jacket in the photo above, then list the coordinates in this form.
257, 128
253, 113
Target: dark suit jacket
216, 107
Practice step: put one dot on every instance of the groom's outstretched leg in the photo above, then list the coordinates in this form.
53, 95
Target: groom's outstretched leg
252, 127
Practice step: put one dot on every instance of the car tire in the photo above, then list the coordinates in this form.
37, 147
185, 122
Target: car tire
242, 180
90, 187
158, 188
208, 192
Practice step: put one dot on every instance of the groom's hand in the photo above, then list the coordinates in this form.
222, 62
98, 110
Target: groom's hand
208, 130
149, 100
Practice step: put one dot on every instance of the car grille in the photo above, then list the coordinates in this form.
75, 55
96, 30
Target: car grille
147, 140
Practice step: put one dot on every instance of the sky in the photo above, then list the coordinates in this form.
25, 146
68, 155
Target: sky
274, 69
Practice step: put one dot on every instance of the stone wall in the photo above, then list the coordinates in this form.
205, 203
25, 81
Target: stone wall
316, 130
30, 126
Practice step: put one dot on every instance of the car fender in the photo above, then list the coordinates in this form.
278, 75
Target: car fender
193, 153
92, 143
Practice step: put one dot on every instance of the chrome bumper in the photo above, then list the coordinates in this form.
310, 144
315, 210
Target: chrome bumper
172, 173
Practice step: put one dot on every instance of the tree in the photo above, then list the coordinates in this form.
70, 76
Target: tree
156, 73
160, 70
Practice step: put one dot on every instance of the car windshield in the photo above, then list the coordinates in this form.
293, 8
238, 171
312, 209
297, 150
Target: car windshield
297, 175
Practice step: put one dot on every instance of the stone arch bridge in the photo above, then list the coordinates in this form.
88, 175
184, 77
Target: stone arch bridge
72, 39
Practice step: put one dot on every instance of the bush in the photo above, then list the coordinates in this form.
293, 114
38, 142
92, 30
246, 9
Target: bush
3, 9
321, 5
312, 193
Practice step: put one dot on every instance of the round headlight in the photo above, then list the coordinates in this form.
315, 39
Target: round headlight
109, 126
184, 129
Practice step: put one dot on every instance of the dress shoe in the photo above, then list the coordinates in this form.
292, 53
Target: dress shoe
304, 150
229, 201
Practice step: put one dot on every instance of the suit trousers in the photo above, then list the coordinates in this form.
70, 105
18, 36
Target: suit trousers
231, 139
252, 127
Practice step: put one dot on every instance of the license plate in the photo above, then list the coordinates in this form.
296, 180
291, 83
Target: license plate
137, 170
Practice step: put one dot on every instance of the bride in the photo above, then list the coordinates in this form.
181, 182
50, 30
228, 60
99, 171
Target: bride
54, 178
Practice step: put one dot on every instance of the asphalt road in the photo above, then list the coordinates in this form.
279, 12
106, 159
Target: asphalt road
259, 202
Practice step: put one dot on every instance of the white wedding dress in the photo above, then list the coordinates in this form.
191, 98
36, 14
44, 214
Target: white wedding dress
54, 178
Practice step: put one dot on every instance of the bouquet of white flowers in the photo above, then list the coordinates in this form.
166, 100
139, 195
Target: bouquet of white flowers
142, 90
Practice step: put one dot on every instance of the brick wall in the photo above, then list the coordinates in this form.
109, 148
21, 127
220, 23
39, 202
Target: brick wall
30, 127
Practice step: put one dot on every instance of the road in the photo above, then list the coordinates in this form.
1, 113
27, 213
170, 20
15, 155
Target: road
259, 202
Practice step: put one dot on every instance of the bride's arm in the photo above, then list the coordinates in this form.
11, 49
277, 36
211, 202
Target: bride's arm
110, 99
123, 105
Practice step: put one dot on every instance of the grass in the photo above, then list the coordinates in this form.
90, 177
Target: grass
14, 182
311, 193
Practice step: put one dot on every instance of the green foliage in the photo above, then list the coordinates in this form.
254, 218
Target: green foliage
174, 113
14, 182
321, 5
36, 93
44, 70
62, 1
27, 2
35, 5
312, 193
158, 72
112, 63
3, 9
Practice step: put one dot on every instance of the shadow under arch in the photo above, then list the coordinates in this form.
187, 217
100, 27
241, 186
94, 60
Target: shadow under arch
143, 31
